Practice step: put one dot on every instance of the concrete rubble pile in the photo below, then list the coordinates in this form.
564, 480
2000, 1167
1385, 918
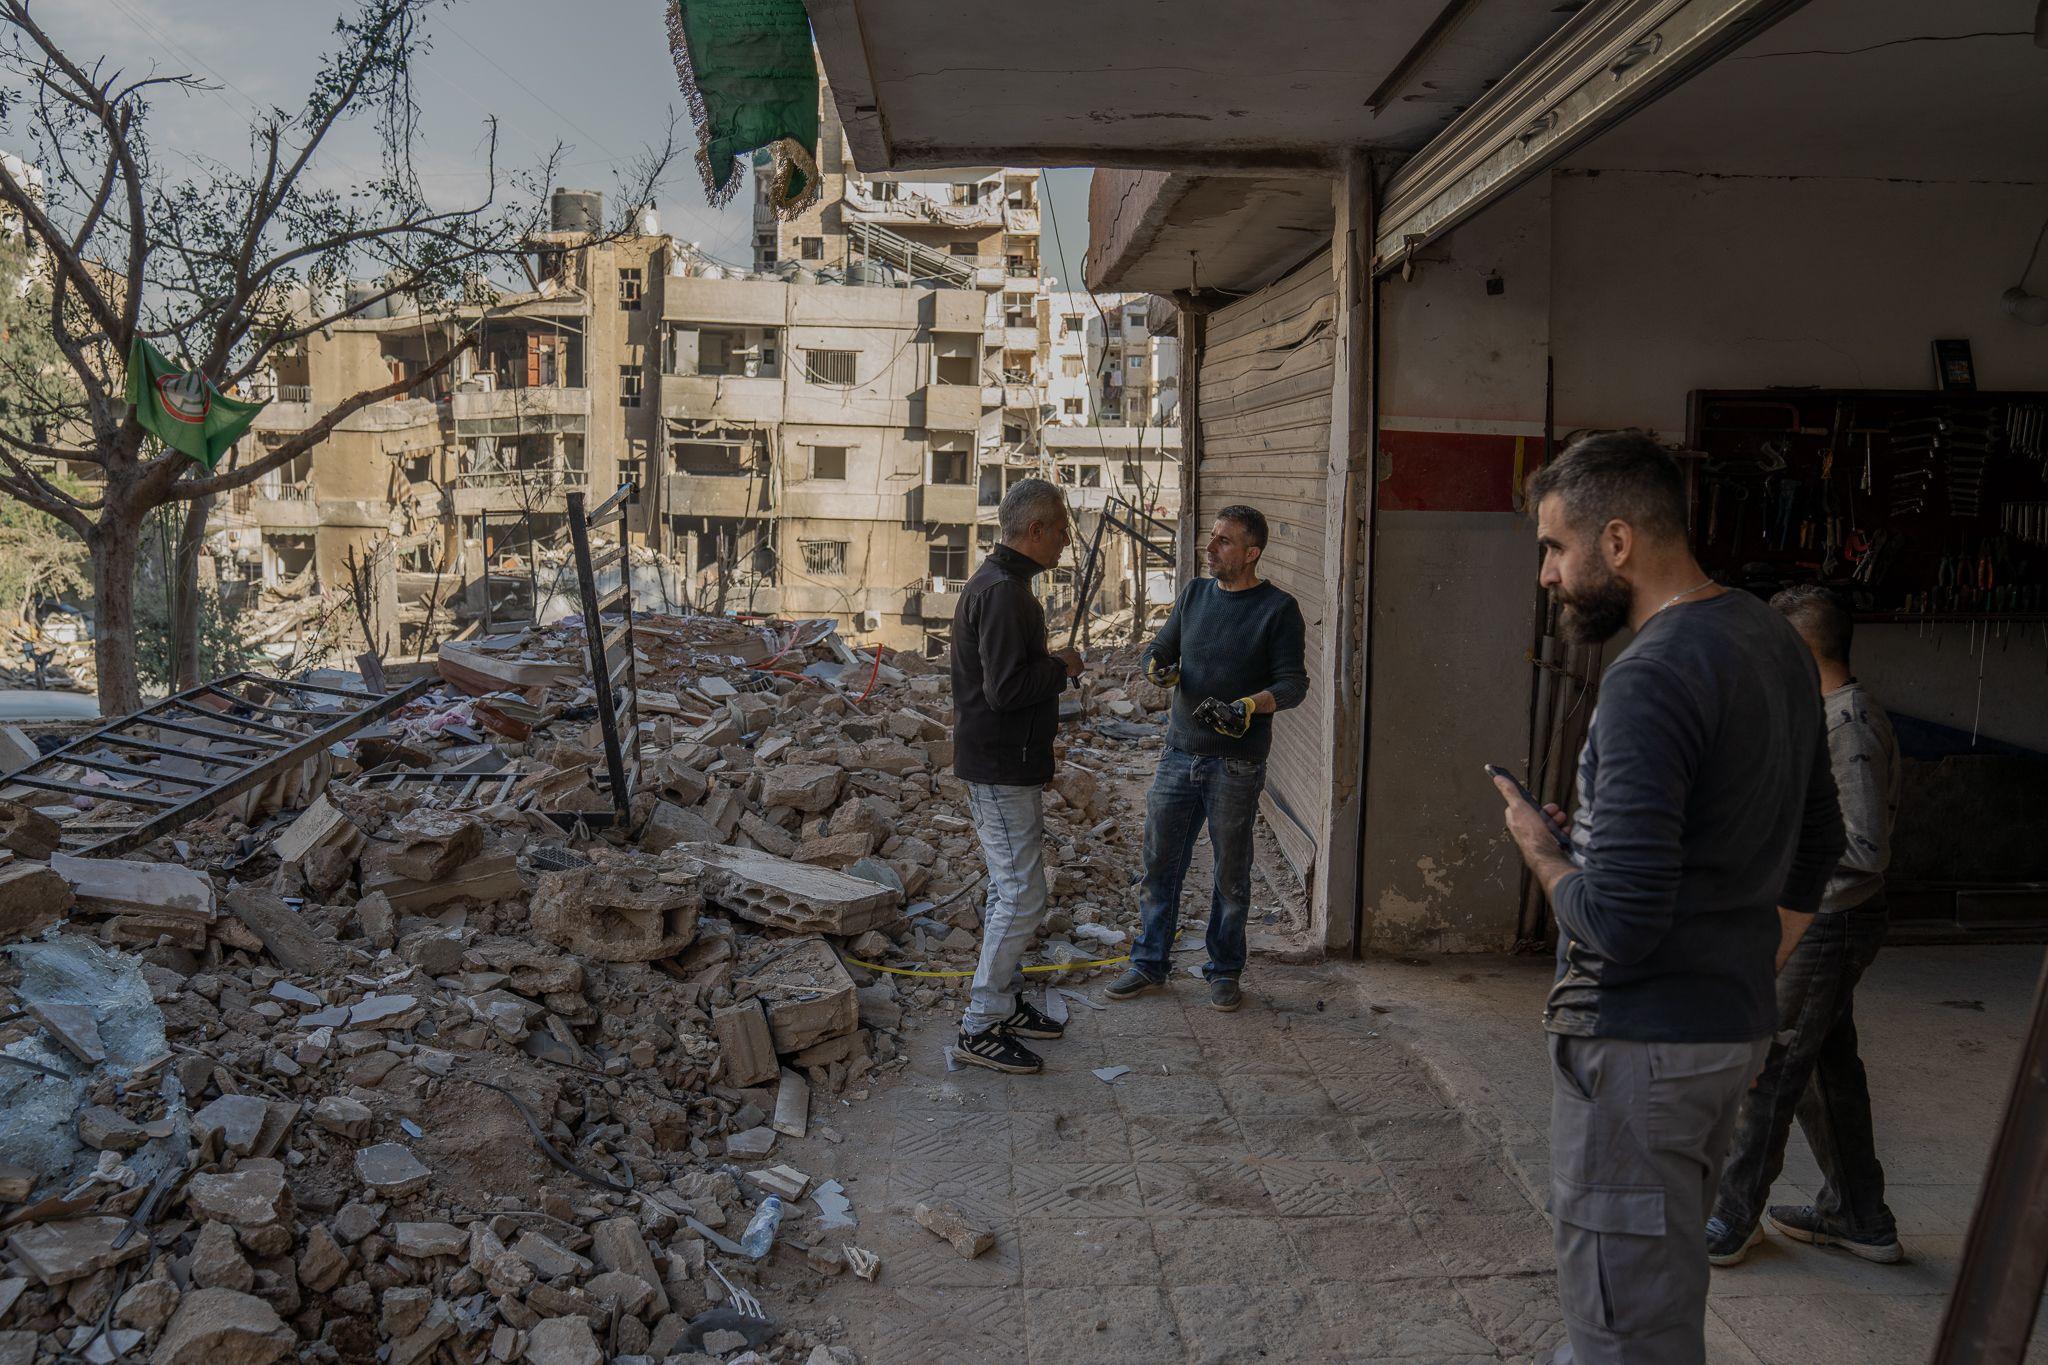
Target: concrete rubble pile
437, 1068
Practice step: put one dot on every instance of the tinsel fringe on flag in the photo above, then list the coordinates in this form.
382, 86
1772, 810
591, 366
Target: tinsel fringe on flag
787, 157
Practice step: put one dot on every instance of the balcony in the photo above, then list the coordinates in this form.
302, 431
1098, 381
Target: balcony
941, 504
728, 397
516, 412
714, 495
933, 599
285, 507
1020, 395
949, 407
955, 310
514, 490
283, 414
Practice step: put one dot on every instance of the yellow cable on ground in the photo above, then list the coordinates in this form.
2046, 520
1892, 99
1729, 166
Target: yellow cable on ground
1045, 967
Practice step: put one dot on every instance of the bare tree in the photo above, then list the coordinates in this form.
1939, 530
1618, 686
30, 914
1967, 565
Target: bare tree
226, 266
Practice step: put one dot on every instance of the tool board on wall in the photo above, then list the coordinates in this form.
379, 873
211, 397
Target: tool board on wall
1916, 504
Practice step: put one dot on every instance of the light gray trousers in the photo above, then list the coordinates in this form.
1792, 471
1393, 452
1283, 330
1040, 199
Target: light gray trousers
1638, 1132
1010, 822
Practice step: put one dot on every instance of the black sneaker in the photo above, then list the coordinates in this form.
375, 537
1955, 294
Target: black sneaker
1224, 994
997, 1051
1028, 1021
1131, 985
1727, 1245
1803, 1223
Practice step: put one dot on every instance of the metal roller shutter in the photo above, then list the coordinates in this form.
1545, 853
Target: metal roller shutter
1264, 411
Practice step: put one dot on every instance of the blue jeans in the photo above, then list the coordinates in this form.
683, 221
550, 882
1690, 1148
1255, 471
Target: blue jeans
1188, 790
1010, 822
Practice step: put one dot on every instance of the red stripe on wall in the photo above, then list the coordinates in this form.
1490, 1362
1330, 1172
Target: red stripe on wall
1453, 471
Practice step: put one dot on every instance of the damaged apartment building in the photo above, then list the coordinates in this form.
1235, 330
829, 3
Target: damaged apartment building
823, 432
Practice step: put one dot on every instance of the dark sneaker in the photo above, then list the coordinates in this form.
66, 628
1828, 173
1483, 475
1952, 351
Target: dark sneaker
1727, 1245
1802, 1223
1028, 1021
1131, 985
1224, 994
997, 1051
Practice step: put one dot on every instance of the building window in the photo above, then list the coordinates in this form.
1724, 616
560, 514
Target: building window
629, 386
629, 288
1070, 366
1070, 323
949, 466
1137, 362
828, 462
949, 561
1073, 406
829, 367
813, 248
967, 249
824, 556
1091, 476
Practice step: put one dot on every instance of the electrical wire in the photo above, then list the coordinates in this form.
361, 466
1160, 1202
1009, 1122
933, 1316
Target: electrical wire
1889, 42
2033, 255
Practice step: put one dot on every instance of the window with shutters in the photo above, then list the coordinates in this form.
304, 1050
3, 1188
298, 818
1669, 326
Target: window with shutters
830, 367
813, 248
1070, 366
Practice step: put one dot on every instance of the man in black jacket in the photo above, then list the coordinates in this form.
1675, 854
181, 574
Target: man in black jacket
1006, 702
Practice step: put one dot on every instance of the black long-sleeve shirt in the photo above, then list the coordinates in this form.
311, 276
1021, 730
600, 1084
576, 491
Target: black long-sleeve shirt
1231, 645
1705, 802
1006, 684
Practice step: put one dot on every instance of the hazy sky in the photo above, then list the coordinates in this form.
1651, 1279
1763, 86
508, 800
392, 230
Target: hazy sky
595, 76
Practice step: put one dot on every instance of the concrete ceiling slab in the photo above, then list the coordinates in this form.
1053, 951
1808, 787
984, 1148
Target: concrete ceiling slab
1162, 231
1215, 84
1883, 89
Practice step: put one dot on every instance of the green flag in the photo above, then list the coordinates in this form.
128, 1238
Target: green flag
746, 67
182, 408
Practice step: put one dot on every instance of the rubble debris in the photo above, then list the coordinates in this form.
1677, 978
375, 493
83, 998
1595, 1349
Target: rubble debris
792, 1105
805, 989
143, 900
222, 1327
60, 1251
611, 912
948, 1221
391, 1170
32, 898
784, 894
746, 1043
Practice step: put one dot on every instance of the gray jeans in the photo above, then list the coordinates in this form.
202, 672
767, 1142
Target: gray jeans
1638, 1132
1010, 822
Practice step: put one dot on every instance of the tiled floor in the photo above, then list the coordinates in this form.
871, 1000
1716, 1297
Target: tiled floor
1283, 1183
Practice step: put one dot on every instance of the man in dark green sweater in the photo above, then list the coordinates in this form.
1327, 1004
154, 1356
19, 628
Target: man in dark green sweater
1232, 653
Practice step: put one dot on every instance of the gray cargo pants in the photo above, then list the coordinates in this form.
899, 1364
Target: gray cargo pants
1637, 1135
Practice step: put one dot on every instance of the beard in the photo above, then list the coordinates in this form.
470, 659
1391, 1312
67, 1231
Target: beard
1593, 615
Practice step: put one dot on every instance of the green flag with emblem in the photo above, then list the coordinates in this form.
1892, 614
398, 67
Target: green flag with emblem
182, 408
752, 82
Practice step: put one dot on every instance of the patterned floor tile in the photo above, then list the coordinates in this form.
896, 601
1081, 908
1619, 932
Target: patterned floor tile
1077, 1189
1112, 1326
1184, 1137
938, 1136
1313, 1189
1520, 1315
1445, 1188
1203, 1189
1243, 1249
1078, 1135
1361, 1250
949, 1327
1231, 1321
1402, 1319
1069, 1253
1312, 1137
1262, 1096
1422, 1137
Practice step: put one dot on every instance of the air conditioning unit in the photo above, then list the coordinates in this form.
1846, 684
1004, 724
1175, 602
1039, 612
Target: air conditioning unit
868, 620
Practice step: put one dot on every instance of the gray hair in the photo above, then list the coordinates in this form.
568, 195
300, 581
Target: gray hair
1027, 501
1616, 476
1820, 618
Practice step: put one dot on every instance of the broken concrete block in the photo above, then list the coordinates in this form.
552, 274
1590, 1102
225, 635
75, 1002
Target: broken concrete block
253, 1195
805, 988
616, 1244
634, 1295
17, 750
792, 1106
63, 1250
343, 1116
284, 935
836, 850
234, 1121
746, 1043
317, 825
109, 1130
423, 845
217, 1260
391, 1170
788, 895
323, 1263
613, 912
222, 1327
786, 1181
418, 1345
671, 824
71, 1027
947, 1221
32, 898
549, 1261
808, 787
424, 1240
564, 1341
751, 1142
494, 876
111, 886
148, 1305
772, 838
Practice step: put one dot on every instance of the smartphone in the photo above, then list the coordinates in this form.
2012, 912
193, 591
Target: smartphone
1495, 770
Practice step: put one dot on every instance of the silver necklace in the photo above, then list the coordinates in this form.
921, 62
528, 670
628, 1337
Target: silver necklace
1707, 582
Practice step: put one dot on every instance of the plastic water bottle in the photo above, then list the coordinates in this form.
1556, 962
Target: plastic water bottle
760, 1234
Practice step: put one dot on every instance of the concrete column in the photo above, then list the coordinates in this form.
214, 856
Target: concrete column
1335, 903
